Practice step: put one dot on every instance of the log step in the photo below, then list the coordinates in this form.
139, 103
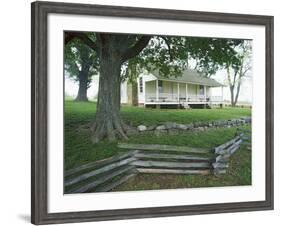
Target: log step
222, 147
140, 163
229, 148
114, 184
146, 155
159, 147
98, 163
99, 171
173, 171
101, 180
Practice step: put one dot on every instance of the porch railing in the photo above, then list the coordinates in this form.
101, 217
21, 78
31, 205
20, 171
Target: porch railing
171, 97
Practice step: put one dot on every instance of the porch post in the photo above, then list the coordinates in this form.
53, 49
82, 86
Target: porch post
210, 94
205, 94
186, 92
178, 92
222, 94
157, 91
143, 90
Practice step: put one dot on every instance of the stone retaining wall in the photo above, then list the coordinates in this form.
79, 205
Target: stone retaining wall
173, 128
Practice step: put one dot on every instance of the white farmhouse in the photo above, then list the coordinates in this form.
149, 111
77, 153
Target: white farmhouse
187, 90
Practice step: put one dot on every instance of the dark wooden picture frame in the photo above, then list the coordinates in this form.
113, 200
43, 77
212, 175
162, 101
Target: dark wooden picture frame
39, 107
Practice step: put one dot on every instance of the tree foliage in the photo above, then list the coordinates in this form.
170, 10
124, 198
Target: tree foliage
170, 55
212, 54
80, 60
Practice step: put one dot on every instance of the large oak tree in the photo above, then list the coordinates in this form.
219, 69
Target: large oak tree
80, 64
166, 54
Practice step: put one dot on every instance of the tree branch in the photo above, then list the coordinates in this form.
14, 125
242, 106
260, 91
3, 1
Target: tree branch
246, 70
83, 37
68, 37
169, 47
234, 77
136, 49
76, 66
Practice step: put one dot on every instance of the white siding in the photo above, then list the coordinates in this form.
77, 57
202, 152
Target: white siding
150, 88
141, 95
182, 90
123, 92
192, 89
147, 79
208, 91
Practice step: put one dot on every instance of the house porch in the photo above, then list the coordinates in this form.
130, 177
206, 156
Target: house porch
160, 92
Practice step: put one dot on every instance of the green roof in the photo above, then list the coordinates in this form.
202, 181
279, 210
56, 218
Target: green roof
190, 76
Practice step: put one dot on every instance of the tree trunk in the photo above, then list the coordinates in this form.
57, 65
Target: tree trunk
134, 85
108, 123
237, 92
83, 86
135, 101
231, 87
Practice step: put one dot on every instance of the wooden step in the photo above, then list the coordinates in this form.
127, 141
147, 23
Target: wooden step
101, 180
161, 147
173, 171
114, 184
148, 155
221, 149
99, 163
139, 163
99, 171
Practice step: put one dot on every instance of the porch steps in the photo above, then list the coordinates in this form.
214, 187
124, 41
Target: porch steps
185, 105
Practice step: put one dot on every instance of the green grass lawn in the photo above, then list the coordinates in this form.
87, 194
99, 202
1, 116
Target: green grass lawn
84, 112
79, 149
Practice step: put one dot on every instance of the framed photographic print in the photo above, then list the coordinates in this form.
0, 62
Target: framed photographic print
140, 112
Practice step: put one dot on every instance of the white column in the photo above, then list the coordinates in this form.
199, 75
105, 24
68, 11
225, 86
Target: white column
222, 93
210, 93
157, 91
143, 91
205, 94
178, 92
186, 92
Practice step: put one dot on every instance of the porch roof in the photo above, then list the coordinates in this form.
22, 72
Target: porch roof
190, 76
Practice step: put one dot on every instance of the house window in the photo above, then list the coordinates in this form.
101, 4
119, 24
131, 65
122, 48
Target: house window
160, 86
201, 90
141, 84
